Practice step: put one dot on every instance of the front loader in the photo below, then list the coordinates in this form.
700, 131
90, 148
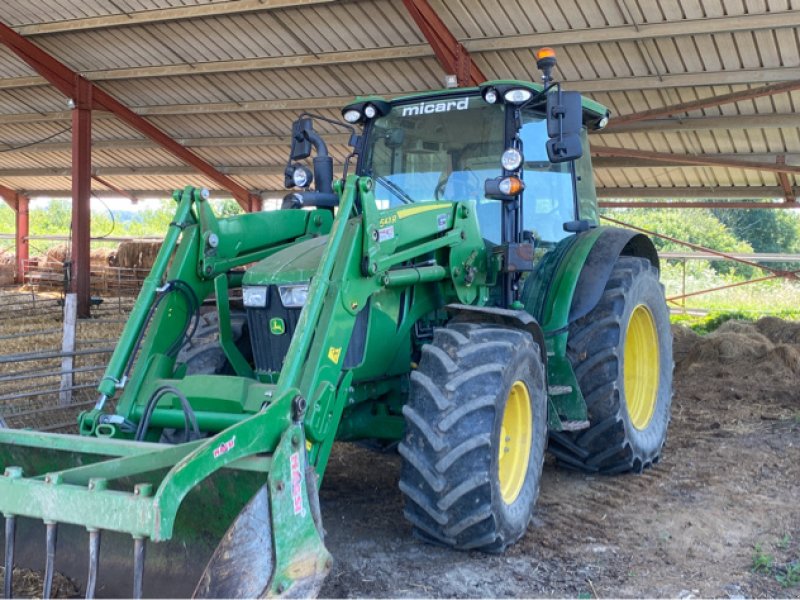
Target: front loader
454, 293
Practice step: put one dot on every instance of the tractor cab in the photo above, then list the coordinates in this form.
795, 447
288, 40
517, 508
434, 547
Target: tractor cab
459, 145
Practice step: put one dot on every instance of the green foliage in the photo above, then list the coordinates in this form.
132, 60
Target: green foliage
698, 226
764, 230
704, 324
762, 562
789, 575
787, 572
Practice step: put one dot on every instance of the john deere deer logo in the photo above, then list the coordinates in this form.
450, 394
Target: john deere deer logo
277, 326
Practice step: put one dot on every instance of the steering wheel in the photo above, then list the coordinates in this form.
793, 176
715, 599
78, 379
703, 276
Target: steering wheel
473, 187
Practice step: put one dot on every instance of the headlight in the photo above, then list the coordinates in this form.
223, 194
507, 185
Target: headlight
293, 296
352, 116
302, 177
511, 159
490, 96
370, 111
255, 296
518, 96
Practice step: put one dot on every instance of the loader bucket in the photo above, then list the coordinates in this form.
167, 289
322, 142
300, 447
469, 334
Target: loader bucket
235, 534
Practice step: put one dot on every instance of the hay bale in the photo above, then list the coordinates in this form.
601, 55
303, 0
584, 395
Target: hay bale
57, 254
137, 254
103, 257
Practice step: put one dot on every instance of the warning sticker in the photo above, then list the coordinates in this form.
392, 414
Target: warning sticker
387, 233
441, 221
297, 487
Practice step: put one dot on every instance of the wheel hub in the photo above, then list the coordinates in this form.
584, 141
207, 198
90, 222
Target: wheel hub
515, 442
641, 370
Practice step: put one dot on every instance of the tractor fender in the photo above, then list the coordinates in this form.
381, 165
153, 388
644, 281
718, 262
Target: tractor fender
612, 243
517, 319
569, 280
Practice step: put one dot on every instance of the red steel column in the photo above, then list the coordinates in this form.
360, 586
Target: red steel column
450, 53
256, 203
22, 232
81, 193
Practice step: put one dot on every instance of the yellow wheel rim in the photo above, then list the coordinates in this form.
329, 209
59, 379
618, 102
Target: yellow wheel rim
641, 367
515, 442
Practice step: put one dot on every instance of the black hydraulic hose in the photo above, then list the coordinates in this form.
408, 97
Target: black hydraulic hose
194, 307
147, 415
193, 304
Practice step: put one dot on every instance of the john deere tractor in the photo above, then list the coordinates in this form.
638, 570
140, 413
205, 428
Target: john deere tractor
452, 292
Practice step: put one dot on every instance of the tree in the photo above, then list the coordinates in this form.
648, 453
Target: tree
698, 226
765, 230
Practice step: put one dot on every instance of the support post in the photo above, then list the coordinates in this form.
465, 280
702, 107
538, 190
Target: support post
19, 204
68, 350
81, 194
256, 203
21, 246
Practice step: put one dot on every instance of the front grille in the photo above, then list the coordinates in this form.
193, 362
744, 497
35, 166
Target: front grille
269, 349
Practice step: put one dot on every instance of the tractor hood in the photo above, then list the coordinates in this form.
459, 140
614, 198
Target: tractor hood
295, 264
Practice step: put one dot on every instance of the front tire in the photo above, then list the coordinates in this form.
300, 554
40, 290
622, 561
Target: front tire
622, 356
476, 431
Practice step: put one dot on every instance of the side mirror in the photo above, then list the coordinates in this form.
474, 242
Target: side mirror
301, 145
564, 124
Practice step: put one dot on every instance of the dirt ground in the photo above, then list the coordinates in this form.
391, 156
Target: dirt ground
724, 499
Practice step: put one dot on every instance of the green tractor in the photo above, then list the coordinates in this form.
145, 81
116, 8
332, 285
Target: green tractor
453, 293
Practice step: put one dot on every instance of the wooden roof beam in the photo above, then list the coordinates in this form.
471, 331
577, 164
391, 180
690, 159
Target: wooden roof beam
698, 192
139, 193
713, 101
693, 160
694, 204
272, 171
757, 121
162, 15
727, 24
788, 75
669, 160
291, 105
256, 141
638, 32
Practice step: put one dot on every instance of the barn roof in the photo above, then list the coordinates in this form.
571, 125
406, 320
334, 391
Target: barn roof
227, 78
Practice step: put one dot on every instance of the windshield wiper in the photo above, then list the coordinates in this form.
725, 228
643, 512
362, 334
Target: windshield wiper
394, 189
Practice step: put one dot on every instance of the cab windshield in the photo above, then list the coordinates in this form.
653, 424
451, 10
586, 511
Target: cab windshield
444, 149
440, 149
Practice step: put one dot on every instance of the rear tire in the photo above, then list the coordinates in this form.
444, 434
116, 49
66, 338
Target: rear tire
628, 405
479, 392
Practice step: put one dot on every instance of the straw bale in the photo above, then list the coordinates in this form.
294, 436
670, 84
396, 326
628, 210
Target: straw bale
137, 254
103, 257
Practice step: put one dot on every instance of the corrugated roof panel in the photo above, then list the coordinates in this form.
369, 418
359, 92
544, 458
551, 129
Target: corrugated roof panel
343, 26
20, 12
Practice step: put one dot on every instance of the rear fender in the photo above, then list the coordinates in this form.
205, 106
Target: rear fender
565, 286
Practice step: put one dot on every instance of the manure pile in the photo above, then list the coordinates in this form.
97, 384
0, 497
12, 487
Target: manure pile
768, 349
